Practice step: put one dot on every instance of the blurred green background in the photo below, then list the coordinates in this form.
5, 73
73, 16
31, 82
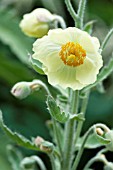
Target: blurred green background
28, 116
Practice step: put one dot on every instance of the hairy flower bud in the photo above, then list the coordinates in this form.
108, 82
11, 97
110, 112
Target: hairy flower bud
46, 147
99, 131
21, 90
36, 23
38, 141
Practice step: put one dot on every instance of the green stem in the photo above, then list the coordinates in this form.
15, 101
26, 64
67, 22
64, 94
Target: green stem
60, 20
106, 39
52, 161
80, 123
79, 154
57, 136
70, 131
80, 13
71, 10
76, 162
95, 159
39, 162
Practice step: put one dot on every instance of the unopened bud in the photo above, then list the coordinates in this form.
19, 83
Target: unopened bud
21, 90
38, 141
47, 147
99, 131
36, 23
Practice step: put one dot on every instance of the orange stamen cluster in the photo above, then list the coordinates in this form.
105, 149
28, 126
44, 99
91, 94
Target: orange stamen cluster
72, 54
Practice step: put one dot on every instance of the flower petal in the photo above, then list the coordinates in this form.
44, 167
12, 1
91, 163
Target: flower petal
44, 47
60, 36
87, 72
87, 43
65, 77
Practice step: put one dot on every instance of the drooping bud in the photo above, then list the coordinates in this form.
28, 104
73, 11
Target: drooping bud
36, 23
47, 147
21, 90
99, 131
38, 141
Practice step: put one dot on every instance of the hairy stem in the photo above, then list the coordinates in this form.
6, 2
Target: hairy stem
70, 131
71, 10
57, 136
80, 123
95, 159
106, 39
80, 13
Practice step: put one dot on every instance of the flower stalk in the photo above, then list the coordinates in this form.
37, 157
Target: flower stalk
80, 123
71, 10
70, 131
106, 39
80, 12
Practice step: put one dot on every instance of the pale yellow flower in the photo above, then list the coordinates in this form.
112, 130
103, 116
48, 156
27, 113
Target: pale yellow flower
36, 23
70, 57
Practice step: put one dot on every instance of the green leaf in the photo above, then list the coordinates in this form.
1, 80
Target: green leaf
14, 157
17, 138
37, 65
89, 26
104, 73
55, 110
79, 117
91, 142
11, 35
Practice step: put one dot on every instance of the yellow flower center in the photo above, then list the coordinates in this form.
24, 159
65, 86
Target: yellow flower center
72, 54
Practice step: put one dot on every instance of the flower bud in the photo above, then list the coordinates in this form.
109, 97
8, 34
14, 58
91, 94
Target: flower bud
109, 135
46, 147
21, 90
36, 23
38, 141
99, 131
109, 166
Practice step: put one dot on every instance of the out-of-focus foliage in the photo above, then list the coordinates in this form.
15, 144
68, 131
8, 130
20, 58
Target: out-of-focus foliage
28, 116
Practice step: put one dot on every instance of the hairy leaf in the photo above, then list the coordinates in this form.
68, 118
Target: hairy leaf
91, 142
37, 65
55, 110
89, 26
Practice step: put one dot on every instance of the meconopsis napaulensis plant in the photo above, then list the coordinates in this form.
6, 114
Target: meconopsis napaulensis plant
71, 58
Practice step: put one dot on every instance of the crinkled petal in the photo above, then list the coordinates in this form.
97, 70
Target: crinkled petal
87, 72
96, 59
44, 48
60, 36
96, 43
87, 42
65, 77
